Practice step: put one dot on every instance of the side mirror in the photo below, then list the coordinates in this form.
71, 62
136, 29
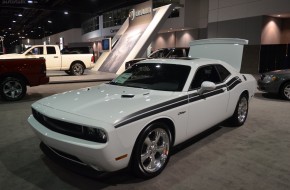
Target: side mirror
206, 86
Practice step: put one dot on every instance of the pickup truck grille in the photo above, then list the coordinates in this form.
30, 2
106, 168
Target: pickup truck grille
62, 127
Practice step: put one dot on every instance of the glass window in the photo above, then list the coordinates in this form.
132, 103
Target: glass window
50, 50
154, 76
36, 51
176, 53
206, 73
90, 25
159, 53
224, 73
115, 18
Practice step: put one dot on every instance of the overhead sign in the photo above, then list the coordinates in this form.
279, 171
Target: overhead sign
141, 13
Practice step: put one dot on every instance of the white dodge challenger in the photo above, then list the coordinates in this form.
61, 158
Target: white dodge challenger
137, 118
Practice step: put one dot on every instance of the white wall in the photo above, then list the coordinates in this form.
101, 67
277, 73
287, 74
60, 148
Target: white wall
69, 36
271, 32
193, 15
222, 10
174, 39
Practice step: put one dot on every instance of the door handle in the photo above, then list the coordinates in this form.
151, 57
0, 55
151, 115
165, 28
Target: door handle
55, 57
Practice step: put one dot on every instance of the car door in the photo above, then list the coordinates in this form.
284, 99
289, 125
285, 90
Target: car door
53, 60
209, 108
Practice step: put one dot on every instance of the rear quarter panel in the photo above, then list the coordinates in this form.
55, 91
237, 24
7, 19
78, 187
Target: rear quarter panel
31, 70
68, 59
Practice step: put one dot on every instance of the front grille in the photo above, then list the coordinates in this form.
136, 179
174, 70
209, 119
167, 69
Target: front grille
62, 127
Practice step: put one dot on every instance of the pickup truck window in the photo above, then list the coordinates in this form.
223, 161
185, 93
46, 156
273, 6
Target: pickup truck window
51, 50
37, 51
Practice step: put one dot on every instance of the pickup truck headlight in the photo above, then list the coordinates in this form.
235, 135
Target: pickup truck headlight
269, 78
96, 135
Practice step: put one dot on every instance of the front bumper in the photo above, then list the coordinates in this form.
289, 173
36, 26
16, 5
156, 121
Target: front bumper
271, 87
100, 156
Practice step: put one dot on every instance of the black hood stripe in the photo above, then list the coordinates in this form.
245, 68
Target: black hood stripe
177, 102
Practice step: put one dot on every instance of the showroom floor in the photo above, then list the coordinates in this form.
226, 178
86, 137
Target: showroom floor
252, 157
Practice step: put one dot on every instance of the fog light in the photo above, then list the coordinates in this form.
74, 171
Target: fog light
95, 134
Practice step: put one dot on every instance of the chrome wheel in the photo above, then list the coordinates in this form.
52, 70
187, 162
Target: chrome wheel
286, 91
12, 89
155, 150
77, 69
242, 109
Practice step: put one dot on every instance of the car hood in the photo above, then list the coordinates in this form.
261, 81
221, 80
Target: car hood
106, 103
278, 72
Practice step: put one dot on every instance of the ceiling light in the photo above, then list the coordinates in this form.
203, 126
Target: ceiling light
9, 28
49, 21
14, 21
30, 2
31, 30
39, 27
279, 15
19, 14
65, 12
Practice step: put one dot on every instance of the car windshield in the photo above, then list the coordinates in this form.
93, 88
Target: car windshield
159, 53
154, 76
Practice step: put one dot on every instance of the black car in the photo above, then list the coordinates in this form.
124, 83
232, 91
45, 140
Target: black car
277, 82
162, 53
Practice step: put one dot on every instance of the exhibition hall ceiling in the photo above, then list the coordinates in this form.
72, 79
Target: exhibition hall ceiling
40, 18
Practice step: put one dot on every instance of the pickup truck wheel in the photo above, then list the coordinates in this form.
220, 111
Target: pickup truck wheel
152, 151
241, 112
285, 91
12, 88
77, 69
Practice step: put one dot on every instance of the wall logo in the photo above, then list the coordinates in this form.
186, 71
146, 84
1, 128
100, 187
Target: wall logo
133, 13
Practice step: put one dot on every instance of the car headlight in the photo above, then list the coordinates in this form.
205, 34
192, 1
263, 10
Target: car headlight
95, 134
269, 78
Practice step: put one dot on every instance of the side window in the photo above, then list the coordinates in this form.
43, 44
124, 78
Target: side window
206, 73
51, 50
37, 51
224, 73
176, 53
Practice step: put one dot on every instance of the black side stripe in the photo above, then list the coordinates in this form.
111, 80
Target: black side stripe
177, 102
134, 117
233, 83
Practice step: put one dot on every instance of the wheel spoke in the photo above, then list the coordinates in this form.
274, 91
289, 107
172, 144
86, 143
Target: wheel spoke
145, 156
153, 163
148, 142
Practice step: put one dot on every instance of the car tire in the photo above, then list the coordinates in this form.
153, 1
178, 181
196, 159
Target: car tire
152, 150
77, 69
285, 91
12, 88
241, 112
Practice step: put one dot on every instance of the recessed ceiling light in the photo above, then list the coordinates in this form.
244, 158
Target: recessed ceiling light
14, 21
29, 1
65, 12
49, 21
9, 28
20, 14
39, 27
31, 30
279, 15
